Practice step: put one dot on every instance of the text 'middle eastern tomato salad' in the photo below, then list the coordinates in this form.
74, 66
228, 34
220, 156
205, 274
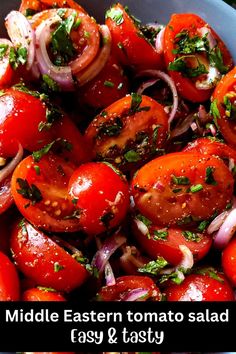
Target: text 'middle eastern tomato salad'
117, 157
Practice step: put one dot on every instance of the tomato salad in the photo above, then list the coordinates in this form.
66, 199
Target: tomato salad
117, 157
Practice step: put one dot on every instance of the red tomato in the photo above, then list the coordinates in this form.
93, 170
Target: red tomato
211, 147
184, 27
208, 285
6, 71
129, 44
40, 5
129, 131
9, 280
223, 107
26, 112
40, 258
40, 192
101, 196
124, 285
166, 242
6, 199
42, 294
229, 261
179, 188
110, 85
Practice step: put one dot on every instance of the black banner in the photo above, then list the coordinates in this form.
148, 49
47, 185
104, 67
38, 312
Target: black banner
118, 326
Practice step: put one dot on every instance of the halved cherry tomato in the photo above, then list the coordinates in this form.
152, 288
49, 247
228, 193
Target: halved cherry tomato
9, 280
101, 196
6, 199
110, 85
6, 71
179, 188
207, 146
223, 107
128, 132
185, 27
129, 44
42, 294
166, 242
85, 38
207, 285
229, 261
40, 258
124, 285
39, 189
24, 111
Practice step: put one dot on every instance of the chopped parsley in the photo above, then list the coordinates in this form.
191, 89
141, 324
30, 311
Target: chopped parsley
18, 57
203, 225
53, 114
49, 84
30, 12
230, 108
3, 50
61, 44
145, 220
209, 179
216, 60
191, 236
181, 180
190, 45
106, 219
196, 188
153, 267
136, 100
110, 128
132, 156
30, 192
160, 234
209, 271
109, 83
57, 267
214, 110
37, 155
115, 15
180, 65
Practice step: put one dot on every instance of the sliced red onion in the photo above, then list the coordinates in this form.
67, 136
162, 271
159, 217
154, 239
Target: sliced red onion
141, 227
163, 76
159, 42
108, 248
109, 275
187, 260
135, 295
21, 34
146, 85
231, 164
183, 126
8, 169
60, 74
213, 129
226, 231
205, 31
217, 222
202, 114
98, 64
193, 126
211, 80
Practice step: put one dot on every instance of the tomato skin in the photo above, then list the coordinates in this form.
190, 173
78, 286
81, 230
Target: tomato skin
25, 111
226, 126
36, 256
40, 5
128, 135
160, 199
211, 147
129, 46
101, 194
168, 248
191, 22
229, 261
127, 283
97, 94
36, 294
53, 211
199, 287
9, 280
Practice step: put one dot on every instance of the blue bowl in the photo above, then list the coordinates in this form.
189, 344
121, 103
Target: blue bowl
218, 14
